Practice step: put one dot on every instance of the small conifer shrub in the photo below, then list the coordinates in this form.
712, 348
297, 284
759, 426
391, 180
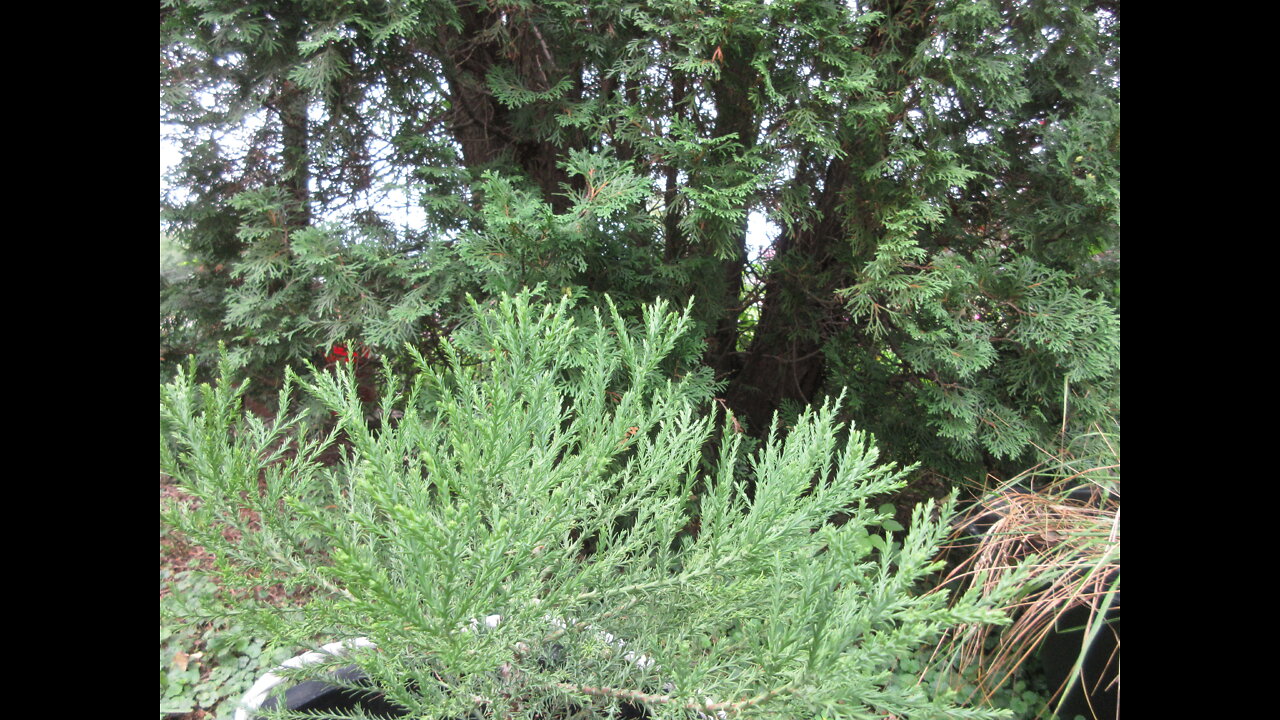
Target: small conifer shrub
559, 521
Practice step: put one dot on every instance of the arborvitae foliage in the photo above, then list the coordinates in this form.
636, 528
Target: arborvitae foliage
560, 516
944, 177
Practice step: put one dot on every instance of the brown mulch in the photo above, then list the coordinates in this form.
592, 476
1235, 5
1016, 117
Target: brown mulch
176, 554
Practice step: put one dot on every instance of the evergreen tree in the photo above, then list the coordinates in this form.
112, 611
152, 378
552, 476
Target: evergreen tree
944, 177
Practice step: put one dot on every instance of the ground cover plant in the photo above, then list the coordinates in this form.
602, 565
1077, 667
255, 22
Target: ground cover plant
205, 666
558, 520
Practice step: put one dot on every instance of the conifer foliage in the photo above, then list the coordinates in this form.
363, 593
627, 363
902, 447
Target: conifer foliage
559, 520
943, 177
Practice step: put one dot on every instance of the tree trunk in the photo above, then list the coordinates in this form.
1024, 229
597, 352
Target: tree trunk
292, 106
479, 123
785, 360
801, 312
735, 115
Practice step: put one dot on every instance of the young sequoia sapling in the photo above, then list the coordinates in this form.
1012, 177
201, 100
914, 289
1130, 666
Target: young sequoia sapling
561, 520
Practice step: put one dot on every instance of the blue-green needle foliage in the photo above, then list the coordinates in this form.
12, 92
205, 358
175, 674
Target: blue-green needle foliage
571, 473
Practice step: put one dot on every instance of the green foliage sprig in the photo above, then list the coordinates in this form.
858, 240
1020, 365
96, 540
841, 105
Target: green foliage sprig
567, 473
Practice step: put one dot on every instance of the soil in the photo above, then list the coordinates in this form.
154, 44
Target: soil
177, 555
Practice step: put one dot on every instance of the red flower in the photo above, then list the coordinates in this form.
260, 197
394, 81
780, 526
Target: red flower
339, 353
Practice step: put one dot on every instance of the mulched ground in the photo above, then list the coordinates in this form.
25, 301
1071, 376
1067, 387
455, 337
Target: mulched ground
175, 554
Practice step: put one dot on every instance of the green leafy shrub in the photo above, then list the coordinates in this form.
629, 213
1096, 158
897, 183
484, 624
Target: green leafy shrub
555, 522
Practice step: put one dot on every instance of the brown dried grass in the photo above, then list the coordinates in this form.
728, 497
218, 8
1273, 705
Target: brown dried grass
1066, 553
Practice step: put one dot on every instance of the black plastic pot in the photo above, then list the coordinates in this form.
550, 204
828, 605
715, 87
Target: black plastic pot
320, 696
1095, 694
344, 693
348, 690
